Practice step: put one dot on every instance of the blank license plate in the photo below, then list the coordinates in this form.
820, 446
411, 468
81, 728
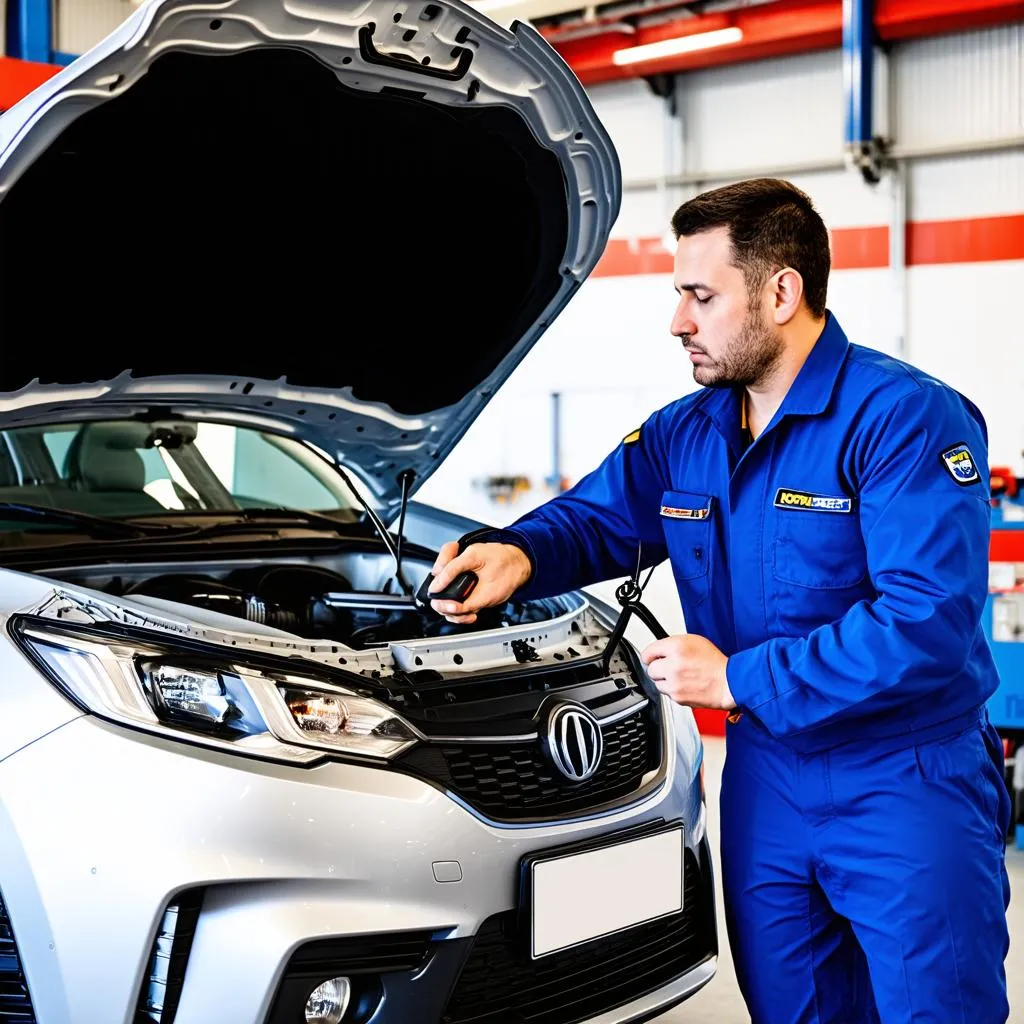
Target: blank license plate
583, 896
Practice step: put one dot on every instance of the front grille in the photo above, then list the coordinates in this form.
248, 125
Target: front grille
15, 1001
501, 984
515, 781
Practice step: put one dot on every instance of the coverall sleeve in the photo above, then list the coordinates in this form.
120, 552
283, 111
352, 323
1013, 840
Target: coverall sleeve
594, 531
927, 537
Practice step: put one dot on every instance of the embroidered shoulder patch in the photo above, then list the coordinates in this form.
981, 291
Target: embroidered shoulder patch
961, 465
632, 438
808, 502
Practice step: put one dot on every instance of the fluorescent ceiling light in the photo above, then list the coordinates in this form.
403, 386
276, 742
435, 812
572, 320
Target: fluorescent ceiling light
674, 47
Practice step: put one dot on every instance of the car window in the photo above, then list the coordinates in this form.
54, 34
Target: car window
263, 471
127, 468
58, 441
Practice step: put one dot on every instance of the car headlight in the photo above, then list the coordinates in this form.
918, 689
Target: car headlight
210, 699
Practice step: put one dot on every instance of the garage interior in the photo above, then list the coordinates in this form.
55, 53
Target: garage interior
902, 119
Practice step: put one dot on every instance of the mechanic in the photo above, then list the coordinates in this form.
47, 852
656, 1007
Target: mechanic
825, 511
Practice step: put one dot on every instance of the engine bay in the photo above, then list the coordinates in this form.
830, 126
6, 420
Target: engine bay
352, 599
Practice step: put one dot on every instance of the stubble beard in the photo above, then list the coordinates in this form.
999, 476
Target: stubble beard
749, 358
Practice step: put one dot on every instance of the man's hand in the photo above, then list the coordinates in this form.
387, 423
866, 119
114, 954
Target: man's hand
690, 670
501, 568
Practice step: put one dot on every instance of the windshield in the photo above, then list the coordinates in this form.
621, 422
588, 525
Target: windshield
128, 468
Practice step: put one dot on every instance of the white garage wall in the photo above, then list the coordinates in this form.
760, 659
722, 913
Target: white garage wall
966, 329
960, 88
81, 24
732, 115
969, 185
610, 355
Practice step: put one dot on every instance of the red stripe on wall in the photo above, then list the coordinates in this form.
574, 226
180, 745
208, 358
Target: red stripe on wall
860, 248
979, 240
974, 240
627, 256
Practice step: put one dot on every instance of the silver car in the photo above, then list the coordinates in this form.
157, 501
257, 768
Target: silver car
262, 262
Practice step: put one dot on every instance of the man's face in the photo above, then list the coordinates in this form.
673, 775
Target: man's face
729, 341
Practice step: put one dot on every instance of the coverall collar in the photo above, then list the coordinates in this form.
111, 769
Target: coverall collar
812, 390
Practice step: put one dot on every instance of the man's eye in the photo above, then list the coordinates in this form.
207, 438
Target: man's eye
703, 302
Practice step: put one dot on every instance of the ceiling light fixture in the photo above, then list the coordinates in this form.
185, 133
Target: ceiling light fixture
674, 47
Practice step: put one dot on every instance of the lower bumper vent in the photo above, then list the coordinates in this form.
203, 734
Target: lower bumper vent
165, 977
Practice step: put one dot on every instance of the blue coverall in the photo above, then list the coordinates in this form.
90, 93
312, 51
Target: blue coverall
841, 562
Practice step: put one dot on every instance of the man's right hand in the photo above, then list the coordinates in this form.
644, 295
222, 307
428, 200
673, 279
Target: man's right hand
501, 569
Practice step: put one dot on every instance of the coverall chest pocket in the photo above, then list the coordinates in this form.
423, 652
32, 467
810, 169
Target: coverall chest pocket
818, 550
686, 519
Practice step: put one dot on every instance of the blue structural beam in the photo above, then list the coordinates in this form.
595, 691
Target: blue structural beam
555, 479
858, 71
30, 30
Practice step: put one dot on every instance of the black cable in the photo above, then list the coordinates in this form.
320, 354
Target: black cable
628, 594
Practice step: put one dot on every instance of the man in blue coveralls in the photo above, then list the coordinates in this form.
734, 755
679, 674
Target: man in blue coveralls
824, 508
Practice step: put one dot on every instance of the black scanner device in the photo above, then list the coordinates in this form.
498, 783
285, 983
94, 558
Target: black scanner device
458, 590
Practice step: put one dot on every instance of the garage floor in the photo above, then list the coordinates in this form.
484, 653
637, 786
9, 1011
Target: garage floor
720, 1002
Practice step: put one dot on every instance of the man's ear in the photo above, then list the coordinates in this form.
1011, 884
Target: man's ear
786, 290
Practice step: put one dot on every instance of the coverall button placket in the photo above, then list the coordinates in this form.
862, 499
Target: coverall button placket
748, 494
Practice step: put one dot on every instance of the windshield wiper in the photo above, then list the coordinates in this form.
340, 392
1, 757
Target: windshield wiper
94, 526
292, 515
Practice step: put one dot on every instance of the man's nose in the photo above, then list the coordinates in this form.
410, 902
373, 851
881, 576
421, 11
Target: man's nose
682, 322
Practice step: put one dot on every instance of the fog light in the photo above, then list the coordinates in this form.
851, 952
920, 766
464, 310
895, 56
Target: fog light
329, 1001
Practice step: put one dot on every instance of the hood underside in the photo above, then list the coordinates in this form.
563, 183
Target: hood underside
348, 222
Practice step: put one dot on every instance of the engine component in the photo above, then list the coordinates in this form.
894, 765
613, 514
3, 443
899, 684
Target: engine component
217, 596
320, 604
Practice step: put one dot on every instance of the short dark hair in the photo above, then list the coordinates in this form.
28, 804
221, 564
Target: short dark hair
772, 225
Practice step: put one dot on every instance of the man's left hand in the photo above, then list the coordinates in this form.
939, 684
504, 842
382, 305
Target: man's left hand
690, 670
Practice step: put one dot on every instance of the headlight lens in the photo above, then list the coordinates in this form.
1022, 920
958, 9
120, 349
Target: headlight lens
189, 694
216, 702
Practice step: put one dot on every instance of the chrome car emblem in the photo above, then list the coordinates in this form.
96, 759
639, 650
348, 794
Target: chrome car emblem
575, 743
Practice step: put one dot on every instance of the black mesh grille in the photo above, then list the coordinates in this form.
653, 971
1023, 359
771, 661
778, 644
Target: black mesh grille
500, 984
510, 782
15, 1002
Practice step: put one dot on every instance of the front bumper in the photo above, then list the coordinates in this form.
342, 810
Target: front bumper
102, 828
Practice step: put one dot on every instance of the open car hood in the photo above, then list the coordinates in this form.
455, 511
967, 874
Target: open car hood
344, 221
